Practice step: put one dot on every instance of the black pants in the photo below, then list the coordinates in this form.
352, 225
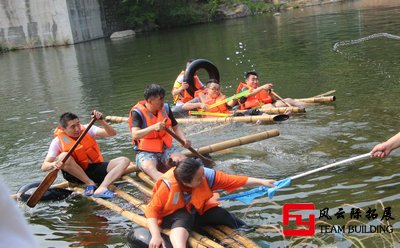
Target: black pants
213, 216
97, 172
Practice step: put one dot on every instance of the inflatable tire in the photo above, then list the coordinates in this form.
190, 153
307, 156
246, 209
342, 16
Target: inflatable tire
139, 237
196, 65
53, 194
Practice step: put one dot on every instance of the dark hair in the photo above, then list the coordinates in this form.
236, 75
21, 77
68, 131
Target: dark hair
153, 90
66, 117
249, 73
186, 170
211, 81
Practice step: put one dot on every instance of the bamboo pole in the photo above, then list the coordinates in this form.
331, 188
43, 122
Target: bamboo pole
249, 119
282, 110
236, 142
138, 185
140, 220
234, 235
222, 237
318, 99
146, 178
118, 119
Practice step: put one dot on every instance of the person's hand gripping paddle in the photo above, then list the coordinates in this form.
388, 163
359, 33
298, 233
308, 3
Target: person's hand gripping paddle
206, 161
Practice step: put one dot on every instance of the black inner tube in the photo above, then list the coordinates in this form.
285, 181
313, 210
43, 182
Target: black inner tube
52, 194
192, 69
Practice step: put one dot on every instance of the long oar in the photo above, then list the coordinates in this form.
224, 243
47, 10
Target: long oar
248, 196
234, 97
280, 98
205, 160
325, 94
49, 179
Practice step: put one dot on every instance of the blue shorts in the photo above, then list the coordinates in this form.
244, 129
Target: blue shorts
160, 157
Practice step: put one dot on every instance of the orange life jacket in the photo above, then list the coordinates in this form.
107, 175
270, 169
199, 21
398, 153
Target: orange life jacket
186, 95
205, 98
202, 197
87, 150
155, 140
258, 99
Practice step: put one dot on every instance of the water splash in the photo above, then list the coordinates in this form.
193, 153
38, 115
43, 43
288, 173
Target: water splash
373, 36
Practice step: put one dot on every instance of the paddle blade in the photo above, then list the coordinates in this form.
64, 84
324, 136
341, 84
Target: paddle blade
278, 185
280, 117
248, 196
42, 188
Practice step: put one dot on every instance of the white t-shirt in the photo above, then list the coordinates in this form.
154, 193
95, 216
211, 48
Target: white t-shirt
55, 146
14, 230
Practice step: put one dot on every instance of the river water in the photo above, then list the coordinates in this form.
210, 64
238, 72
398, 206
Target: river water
294, 50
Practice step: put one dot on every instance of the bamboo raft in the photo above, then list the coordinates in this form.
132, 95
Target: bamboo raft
223, 234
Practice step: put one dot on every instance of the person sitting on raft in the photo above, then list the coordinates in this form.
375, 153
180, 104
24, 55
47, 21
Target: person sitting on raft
183, 199
148, 120
180, 90
86, 164
212, 94
261, 95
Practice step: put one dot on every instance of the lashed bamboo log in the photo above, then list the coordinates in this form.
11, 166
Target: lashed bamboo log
138, 185
233, 234
236, 142
318, 99
138, 219
282, 110
146, 178
222, 237
117, 119
264, 119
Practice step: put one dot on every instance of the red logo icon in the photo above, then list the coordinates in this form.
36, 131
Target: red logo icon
310, 224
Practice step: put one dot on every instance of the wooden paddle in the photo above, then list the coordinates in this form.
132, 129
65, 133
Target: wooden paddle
325, 94
205, 160
280, 98
49, 179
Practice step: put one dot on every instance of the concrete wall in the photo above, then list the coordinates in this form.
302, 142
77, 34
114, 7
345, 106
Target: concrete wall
85, 20
37, 23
